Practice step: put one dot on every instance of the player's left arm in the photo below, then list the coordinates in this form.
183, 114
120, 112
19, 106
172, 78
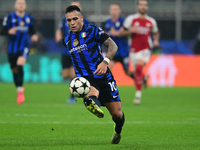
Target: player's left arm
112, 49
32, 30
156, 35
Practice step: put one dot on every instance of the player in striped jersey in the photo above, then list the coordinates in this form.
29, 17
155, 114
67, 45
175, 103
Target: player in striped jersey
83, 44
122, 54
17, 26
67, 66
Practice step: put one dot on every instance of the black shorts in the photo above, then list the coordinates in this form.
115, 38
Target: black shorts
66, 61
12, 58
107, 88
123, 60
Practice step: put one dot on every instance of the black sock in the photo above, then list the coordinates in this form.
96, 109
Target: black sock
15, 79
20, 75
119, 124
94, 98
132, 76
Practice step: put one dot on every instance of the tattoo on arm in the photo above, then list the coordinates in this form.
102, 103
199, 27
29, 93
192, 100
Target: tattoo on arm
112, 48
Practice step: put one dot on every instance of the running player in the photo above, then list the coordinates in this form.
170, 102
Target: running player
115, 23
17, 26
68, 69
140, 26
83, 45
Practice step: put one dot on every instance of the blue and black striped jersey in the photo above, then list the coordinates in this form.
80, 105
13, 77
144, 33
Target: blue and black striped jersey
24, 26
65, 30
122, 42
84, 49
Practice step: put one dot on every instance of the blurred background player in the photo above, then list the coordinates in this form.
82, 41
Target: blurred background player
17, 25
140, 26
63, 30
115, 23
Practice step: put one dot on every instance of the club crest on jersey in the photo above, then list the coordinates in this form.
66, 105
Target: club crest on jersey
117, 24
22, 23
75, 43
83, 34
28, 20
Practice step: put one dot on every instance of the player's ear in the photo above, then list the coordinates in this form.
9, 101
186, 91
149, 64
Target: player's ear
81, 18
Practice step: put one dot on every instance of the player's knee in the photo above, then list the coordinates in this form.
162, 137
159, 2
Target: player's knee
14, 69
138, 68
117, 114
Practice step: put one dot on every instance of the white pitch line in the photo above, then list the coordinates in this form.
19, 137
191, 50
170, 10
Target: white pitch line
28, 115
134, 122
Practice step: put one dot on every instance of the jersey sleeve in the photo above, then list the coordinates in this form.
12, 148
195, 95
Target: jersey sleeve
99, 35
127, 23
32, 26
6, 25
154, 27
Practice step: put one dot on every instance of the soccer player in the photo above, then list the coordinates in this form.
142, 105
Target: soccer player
83, 44
122, 54
140, 26
68, 69
17, 25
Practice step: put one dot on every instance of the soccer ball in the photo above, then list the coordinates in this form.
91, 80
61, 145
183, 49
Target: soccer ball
79, 87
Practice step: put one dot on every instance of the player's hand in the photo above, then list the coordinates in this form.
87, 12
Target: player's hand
34, 38
101, 69
133, 29
156, 43
113, 32
12, 31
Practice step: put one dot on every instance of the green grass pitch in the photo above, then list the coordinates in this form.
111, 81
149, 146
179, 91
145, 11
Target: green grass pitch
168, 118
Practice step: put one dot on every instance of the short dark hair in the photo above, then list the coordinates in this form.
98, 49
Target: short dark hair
140, 0
115, 3
72, 8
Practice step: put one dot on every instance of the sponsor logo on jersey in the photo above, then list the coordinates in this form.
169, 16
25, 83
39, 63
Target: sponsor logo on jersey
78, 48
143, 30
22, 28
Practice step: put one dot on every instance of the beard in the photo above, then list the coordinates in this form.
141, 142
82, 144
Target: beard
142, 12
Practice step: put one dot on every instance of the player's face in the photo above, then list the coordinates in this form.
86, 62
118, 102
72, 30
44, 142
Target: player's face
142, 7
74, 21
115, 10
20, 5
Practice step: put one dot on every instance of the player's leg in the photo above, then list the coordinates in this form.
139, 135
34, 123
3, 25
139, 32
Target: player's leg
12, 58
20, 79
125, 62
119, 119
139, 60
92, 103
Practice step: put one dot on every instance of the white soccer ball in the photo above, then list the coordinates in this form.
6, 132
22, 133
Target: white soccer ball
80, 87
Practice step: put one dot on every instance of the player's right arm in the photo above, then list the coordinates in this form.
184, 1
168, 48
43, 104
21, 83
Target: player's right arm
58, 35
6, 26
59, 31
126, 30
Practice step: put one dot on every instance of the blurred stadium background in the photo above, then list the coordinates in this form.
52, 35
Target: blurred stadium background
170, 65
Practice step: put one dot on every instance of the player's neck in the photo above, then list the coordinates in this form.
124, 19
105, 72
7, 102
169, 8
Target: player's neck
115, 18
142, 16
21, 14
